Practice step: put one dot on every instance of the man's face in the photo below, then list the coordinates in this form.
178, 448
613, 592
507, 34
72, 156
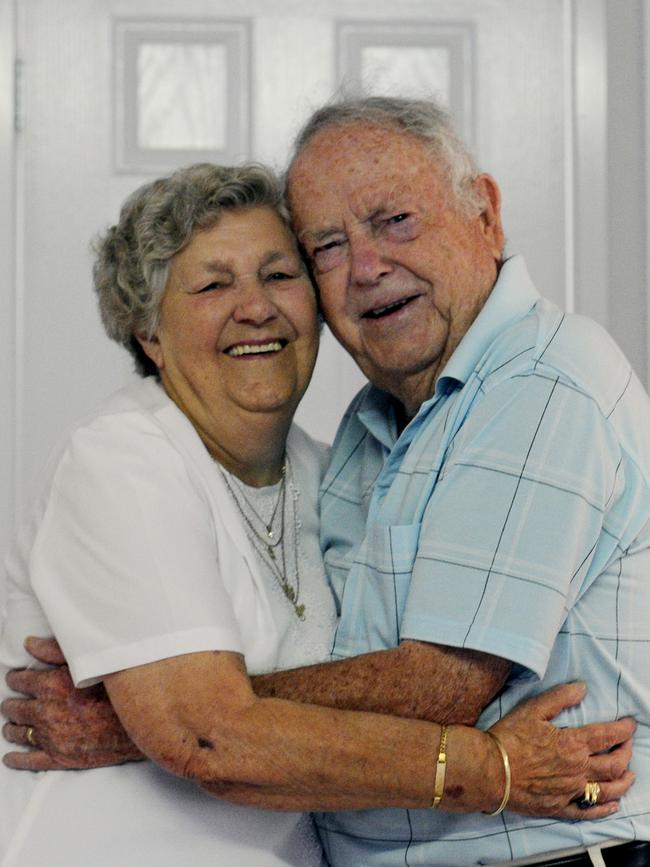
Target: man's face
402, 272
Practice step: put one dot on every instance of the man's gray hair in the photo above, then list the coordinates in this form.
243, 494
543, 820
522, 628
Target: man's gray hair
156, 222
424, 119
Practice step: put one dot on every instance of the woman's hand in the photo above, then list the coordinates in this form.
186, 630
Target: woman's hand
70, 728
551, 766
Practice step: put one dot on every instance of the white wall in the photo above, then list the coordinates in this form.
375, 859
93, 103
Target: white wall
627, 102
7, 295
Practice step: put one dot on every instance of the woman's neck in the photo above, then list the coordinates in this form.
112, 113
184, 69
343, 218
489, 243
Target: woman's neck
249, 443
251, 448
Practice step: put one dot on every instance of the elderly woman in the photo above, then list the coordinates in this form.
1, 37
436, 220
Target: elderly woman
174, 549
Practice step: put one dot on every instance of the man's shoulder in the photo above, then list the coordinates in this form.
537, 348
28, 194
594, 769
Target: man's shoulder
569, 347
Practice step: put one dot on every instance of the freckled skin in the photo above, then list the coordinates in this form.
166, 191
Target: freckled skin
349, 187
205, 744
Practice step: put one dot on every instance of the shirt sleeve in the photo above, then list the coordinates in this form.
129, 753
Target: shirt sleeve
514, 521
125, 560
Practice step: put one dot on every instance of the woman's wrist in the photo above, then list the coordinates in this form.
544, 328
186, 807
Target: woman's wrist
474, 774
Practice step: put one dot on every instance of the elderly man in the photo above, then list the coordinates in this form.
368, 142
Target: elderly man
487, 508
486, 514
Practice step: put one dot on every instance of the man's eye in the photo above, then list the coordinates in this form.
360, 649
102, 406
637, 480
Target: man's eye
328, 254
400, 227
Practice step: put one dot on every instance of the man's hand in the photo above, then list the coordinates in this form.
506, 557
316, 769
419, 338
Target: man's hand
551, 765
71, 728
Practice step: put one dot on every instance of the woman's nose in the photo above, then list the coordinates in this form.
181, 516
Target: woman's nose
254, 303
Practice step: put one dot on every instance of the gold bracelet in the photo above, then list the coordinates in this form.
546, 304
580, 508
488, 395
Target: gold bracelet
441, 769
506, 770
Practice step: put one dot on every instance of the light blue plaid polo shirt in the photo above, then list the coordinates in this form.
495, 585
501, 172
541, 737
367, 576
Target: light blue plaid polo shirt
511, 516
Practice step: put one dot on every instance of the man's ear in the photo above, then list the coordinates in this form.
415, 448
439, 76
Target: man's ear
490, 215
152, 349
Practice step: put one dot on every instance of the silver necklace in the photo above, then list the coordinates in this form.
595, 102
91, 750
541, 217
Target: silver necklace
266, 541
270, 537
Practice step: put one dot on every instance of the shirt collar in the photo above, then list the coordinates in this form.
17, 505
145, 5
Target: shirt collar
511, 298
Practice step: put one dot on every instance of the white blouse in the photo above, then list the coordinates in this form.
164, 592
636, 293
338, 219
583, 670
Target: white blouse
135, 552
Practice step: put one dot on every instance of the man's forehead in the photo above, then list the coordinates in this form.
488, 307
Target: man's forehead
366, 204
365, 170
355, 148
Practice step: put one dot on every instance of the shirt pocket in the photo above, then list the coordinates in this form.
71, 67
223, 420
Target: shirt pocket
376, 590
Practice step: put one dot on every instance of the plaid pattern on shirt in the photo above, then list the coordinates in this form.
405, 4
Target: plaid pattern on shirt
511, 516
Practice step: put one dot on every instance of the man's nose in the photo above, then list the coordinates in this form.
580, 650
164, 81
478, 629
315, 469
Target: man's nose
368, 263
254, 303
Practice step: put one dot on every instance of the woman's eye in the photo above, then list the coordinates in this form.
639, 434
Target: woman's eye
396, 218
281, 275
211, 286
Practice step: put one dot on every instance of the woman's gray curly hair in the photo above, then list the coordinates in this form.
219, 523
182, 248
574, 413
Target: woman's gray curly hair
156, 222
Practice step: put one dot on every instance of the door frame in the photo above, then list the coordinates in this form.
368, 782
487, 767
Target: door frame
646, 87
8, 234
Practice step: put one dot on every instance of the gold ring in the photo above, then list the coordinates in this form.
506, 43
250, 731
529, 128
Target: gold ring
29, 735
592, 790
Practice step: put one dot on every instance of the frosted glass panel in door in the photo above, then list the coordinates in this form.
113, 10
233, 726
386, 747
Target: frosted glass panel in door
177, 84
418, 71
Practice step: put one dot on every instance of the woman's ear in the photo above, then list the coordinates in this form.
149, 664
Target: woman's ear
152, 349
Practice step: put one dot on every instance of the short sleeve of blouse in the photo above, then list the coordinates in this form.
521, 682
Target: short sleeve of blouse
125, 562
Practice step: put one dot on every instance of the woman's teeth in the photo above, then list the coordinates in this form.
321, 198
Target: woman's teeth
254, 349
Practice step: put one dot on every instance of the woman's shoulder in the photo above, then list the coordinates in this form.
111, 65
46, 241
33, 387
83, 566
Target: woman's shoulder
135, 428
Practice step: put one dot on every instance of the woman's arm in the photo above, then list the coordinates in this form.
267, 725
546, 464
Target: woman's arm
282, 755
176, 724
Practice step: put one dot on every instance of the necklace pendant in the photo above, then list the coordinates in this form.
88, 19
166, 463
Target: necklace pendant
269, 531
300, 611
271, 552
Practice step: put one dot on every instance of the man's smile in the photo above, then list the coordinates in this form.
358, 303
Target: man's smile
379, 312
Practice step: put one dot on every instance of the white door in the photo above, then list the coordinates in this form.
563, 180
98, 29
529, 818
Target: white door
115, 90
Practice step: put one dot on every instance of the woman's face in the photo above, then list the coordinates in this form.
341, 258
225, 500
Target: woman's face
238, 329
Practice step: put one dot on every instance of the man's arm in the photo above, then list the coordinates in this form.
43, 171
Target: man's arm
197, 716
416, 680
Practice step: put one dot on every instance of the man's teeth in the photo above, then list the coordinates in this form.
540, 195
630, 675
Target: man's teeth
390, 308
255, 349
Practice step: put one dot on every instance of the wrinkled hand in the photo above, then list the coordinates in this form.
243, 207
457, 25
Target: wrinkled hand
71, 728
550, 766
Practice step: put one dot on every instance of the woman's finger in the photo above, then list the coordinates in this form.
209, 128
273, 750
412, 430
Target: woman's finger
603, 736
610, 766
608, 798
547, 705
